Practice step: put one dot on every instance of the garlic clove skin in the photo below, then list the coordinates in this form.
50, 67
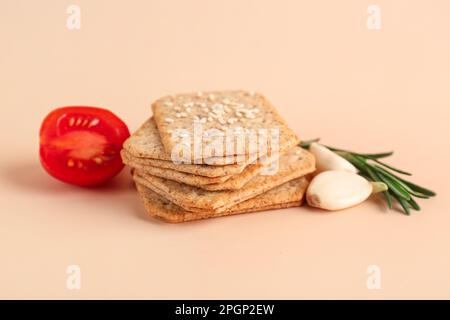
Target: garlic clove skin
328, 160
337, 189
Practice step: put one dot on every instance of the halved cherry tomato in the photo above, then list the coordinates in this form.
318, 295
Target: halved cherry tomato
81, 145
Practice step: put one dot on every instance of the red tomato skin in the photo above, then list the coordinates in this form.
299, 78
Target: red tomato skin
81, 145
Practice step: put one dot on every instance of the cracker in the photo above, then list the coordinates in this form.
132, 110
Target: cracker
200, 169
237, 181
289, 194
187, 178
146, 143
219, 110
144, 147
296, 163
230, 182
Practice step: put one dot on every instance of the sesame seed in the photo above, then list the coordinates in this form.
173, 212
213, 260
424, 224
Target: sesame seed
203, 120
199, 94
221, 121
168, 103
232, 120
211, 97
210, 119
177, 108
188, 109
169, 120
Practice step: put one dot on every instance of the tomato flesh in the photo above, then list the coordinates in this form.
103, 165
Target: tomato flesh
81, 145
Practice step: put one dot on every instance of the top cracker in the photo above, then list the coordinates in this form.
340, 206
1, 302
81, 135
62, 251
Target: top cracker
197, 126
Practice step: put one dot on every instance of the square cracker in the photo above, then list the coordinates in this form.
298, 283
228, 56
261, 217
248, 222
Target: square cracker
289, 194
144, 147
146, 143
179, 176
230, 182
295, 164
196, 169
219, 110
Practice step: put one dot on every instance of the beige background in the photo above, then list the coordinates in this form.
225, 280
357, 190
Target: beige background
316, 60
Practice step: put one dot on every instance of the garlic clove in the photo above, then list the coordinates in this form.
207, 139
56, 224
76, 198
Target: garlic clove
337, 189
328, 160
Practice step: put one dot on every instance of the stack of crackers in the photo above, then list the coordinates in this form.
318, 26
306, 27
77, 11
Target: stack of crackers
212, 154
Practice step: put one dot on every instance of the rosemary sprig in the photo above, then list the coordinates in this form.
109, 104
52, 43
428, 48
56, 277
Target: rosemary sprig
372, 168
